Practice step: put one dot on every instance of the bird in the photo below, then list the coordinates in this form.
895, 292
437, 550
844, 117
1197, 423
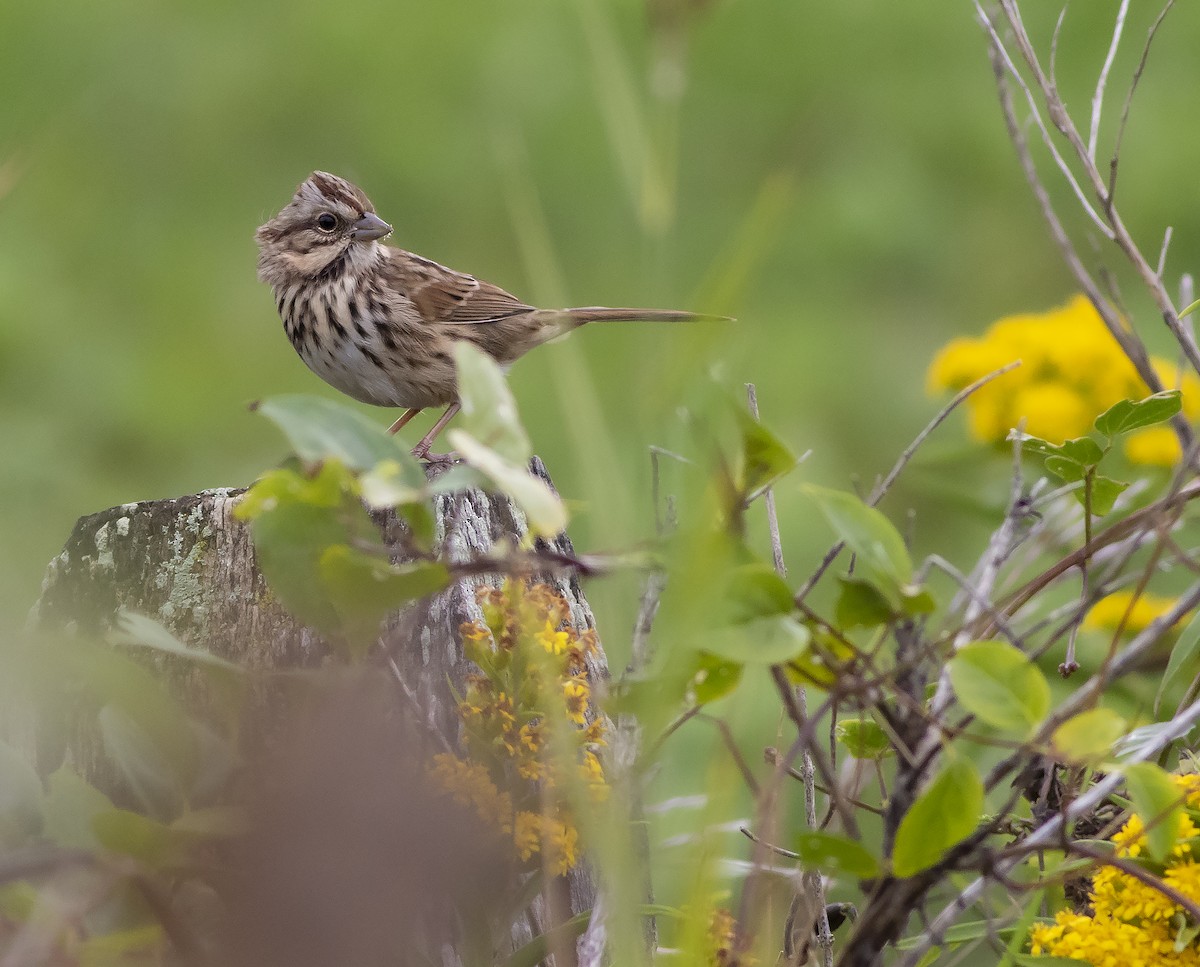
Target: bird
379, 323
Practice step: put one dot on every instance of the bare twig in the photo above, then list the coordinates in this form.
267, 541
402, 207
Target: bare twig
1102, 80
880, 490
812, 881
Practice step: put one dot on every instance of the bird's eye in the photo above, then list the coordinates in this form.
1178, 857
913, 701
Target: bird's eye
326, 222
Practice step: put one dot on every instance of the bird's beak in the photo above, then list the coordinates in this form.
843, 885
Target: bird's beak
370, 227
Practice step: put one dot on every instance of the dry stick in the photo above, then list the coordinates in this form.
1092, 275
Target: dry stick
593, 944
812, 881
1059, 160
984, 583
1002, 66
1117, 230
881, 489
1133, 524
1102, 80
1133, 83
1129, 342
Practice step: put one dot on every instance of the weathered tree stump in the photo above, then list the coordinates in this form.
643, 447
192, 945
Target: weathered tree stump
190, 564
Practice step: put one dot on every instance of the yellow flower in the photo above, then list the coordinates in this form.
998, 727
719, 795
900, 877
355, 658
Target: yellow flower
576, 693
470, 785
555, 838
592, 771
527, 834
1107, 613
1132, 924
560, 841
555, 642
1053, 411
1072, 370
1155, 446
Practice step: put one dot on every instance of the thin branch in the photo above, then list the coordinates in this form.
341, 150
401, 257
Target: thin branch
1102, 80
1137, 76
880, 490
812, 881
1003, 55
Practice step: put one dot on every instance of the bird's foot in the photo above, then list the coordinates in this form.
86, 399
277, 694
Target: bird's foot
437, 459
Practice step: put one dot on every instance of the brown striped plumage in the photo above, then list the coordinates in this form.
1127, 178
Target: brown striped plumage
379, 323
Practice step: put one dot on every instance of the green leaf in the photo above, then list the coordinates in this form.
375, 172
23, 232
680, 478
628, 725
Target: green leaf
489, 412
1105, 492
1185, 932
105, 676
944, 814
1000, 686
145, 768
139, 630
1133, 415
322, 429
834, 855
714, 678
881, 558
20, 797
1183, 658
1066, 470
364, 589
215, 822
1083, 451
68, 810
391, 483
763, 641
960, 933
289, 542
1089, 736
1159, 804
295, 519
542, 506
326, 488
765, 458
1146, 740
859, 605
755, 590
144, 839
917, 601
1028, 960
135, 945
864, 739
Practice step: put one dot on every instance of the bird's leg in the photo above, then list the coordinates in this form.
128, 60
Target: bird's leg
403, 421
421, 450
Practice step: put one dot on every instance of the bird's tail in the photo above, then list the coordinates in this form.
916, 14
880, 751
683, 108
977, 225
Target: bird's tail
586, 314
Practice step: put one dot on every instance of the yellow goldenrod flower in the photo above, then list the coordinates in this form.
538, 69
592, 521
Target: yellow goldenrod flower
470, 785
527, 834
1108, 612
576, 694
560, 841
555, 642
1072, 370
1131, 924
532, 675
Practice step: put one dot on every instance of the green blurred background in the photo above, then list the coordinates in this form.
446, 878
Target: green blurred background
835, 175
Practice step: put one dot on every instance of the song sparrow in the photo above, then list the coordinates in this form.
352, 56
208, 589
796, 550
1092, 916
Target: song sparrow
379, 323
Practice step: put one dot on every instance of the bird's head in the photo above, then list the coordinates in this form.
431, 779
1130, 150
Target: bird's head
327, 223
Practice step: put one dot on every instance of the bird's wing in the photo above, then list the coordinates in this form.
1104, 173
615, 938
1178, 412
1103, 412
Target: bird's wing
443, 295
